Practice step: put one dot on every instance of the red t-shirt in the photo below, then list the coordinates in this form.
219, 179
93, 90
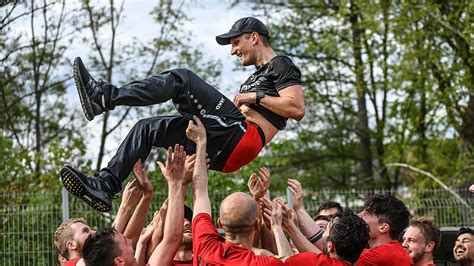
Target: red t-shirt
182, 262
310, 258
385, 255
72, 262
209, 248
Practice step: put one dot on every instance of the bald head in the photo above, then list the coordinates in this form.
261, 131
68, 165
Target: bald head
238, 213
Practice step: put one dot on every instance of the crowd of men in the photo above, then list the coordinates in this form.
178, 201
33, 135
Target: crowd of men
212, 132
257, 230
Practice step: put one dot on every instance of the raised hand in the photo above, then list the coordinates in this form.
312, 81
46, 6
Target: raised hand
196, 130
277, 215
142, 178
259, 184
295, 187
174, 169
131, 194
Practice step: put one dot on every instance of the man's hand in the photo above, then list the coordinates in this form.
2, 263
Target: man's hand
142, 178
245, 98
146, 234
258, 185
174, 168
295, 187
266, 207
196, 130
131, 194
277, 215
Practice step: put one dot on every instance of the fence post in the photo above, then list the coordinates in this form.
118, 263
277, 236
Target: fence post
65, 203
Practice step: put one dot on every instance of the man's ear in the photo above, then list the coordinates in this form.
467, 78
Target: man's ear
219, 222
71, 244
331, 247
119, 261
384, 228
255, 38
430, 246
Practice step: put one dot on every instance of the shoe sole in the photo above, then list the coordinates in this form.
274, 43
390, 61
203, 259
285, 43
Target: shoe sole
85, 102
74, 185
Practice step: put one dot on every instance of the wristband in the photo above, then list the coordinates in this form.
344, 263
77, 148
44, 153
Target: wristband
316, 236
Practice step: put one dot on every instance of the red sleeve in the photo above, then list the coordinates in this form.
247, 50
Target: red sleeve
305, 258
72, 262
206, 239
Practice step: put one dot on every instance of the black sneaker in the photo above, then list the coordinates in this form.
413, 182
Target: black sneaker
91, 189
90, 91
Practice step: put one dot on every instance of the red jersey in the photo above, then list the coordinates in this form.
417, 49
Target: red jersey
209, 248
72, 262
182, 262
310, 258
385, 255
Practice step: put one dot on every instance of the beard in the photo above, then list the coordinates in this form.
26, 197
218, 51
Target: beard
417, 256
187, 240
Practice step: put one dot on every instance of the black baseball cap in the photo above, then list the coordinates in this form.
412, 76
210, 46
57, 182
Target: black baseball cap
188, 213
241, 26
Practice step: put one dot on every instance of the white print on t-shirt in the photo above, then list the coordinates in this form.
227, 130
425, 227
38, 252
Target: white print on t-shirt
220, 104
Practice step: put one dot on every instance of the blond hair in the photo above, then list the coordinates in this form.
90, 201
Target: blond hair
64, 234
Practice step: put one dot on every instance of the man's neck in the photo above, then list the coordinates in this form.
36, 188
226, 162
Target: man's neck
244, 241
380, 240
74, 254
184, 253
265, 55
335, 256
426, 259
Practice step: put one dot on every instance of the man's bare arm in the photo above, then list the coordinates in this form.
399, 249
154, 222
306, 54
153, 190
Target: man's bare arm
173, 232
197, 133
308, 227
136, 223
290, 104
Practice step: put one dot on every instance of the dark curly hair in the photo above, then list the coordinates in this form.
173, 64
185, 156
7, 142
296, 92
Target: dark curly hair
390, 210
349, 234
100, 248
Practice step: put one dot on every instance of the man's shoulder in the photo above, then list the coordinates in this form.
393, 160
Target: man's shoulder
310, 258
388, 254
282, 59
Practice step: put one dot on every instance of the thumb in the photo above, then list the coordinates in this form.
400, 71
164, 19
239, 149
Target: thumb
162, 166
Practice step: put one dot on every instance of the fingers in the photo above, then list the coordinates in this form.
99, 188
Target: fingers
197, 121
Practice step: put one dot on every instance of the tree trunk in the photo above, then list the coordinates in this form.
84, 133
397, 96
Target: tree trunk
361, 89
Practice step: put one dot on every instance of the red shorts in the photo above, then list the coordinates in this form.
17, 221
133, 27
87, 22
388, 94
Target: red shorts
247, 149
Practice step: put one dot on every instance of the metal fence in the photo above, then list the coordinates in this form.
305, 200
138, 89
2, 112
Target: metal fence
29, 220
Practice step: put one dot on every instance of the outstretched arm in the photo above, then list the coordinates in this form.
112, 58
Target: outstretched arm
136, 223
173, 232
309, 228
283, 246
197, 133
130, 197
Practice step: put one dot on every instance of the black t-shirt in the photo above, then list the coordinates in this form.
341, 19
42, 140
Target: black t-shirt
278, 73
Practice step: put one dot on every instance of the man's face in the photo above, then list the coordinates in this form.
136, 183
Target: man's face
414, 242
464, 248
81, 232
126, 248
321, 223
187, 234
330, 213
373, 221
241, 46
